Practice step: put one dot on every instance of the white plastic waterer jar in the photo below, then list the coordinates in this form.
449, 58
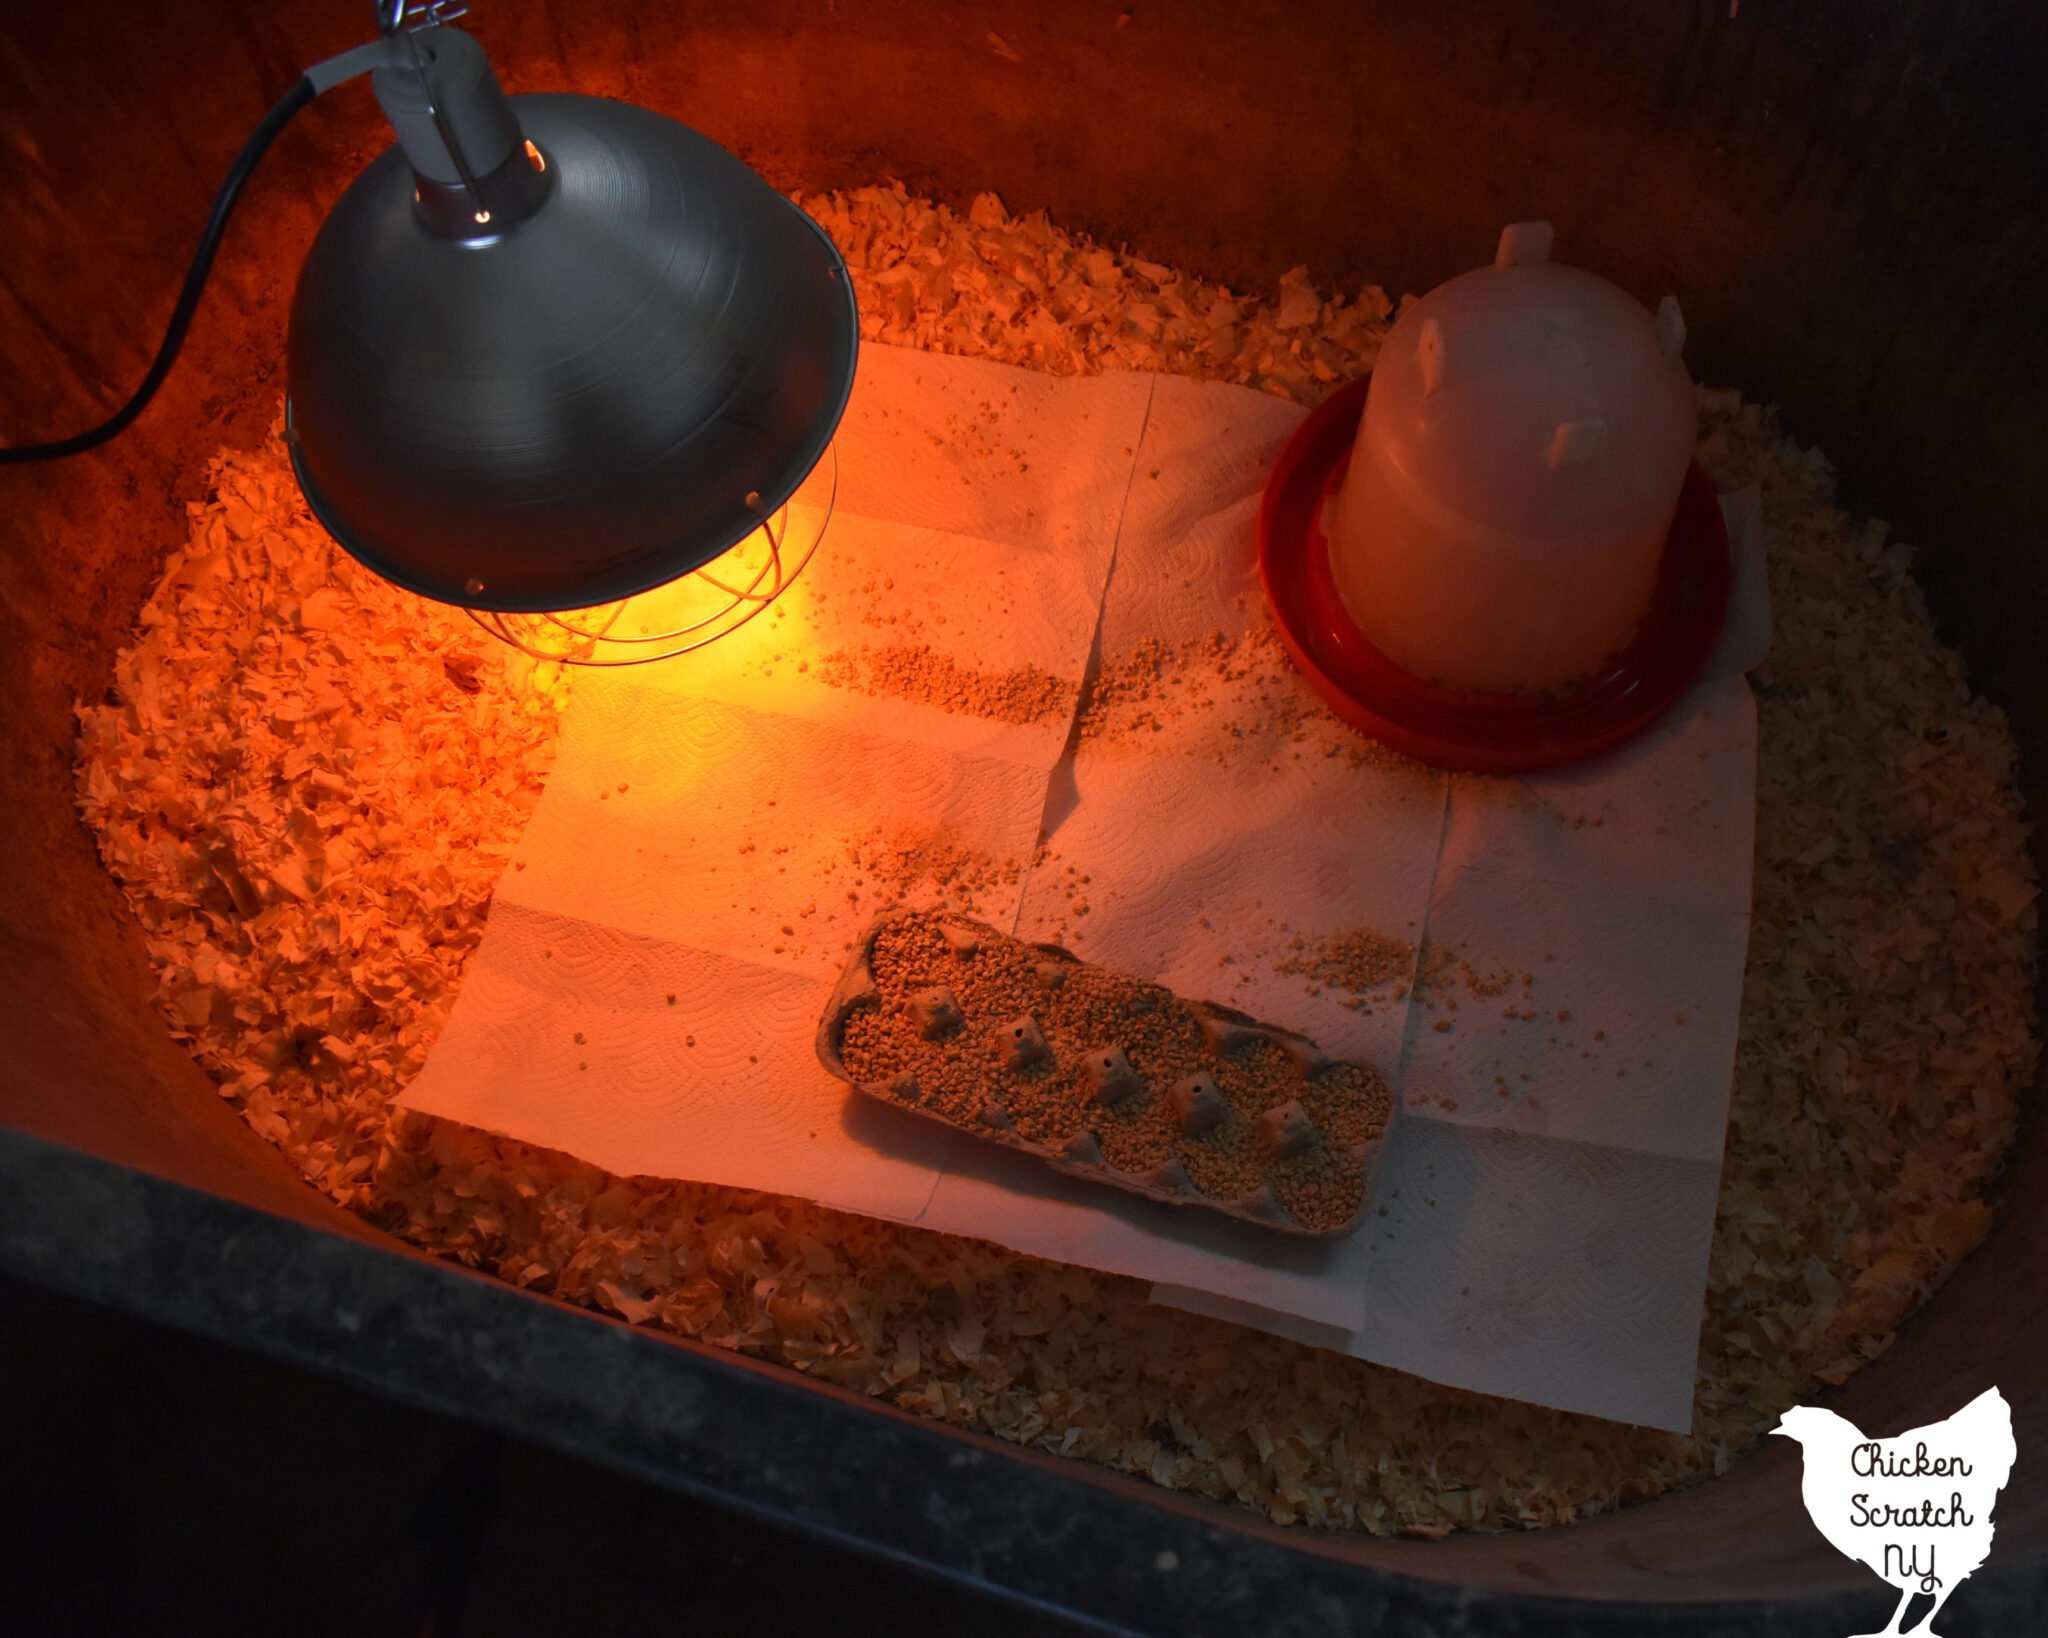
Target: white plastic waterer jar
1524, 443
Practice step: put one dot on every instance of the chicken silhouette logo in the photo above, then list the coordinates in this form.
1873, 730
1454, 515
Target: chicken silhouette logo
1916, 1509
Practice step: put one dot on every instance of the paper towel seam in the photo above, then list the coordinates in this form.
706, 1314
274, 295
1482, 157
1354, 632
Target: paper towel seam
1093, 668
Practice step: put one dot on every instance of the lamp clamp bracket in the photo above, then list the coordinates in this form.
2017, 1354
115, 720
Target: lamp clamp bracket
410, 16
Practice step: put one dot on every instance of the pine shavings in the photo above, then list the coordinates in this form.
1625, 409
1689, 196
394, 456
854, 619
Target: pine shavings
307, 816
1018, 289
307, 783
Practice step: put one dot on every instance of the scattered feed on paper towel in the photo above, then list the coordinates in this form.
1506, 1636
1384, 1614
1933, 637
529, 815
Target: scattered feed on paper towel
305, 782
1359, 961
912, 671
1240, 693
1105, 1076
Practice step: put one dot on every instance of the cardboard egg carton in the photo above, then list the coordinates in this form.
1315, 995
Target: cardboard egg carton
1104, 1076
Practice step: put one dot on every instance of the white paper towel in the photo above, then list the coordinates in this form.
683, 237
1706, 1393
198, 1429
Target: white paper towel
694, 840
979, 509
711, 825
1209, 847
1548, 1200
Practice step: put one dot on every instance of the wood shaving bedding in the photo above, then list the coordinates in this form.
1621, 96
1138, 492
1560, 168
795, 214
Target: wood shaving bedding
306, 782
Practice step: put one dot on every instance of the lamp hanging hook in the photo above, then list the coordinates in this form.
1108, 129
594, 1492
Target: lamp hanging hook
392, 14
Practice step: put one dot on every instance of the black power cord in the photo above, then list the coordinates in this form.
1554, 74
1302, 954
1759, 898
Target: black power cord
302, 92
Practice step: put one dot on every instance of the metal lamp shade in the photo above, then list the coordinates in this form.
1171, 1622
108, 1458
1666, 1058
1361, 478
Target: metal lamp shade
606, 397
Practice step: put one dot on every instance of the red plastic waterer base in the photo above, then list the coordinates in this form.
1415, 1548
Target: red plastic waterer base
1478, 733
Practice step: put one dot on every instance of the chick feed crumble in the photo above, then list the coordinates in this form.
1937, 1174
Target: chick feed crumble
306, 783
1106, 1076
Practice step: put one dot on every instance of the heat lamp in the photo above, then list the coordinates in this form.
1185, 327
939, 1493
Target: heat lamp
554, 359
